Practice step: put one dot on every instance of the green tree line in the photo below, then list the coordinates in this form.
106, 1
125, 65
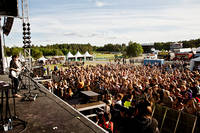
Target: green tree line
194, 43
131, 49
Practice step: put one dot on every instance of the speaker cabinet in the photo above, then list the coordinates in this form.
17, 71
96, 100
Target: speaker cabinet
9, 8
8, 25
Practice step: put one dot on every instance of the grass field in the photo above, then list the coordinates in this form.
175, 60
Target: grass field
105, 56
86, 63
96, 55
52, 66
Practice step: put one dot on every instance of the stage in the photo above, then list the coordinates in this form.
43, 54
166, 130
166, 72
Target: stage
48, 114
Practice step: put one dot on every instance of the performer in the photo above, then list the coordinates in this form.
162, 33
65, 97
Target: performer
14, 74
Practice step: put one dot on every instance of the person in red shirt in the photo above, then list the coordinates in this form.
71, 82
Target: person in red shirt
108, 125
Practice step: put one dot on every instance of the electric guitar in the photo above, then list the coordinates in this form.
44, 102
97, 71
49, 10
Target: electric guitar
15, 74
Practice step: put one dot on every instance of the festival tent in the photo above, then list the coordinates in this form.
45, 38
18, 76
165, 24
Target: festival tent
7, 63
198, 49
197, 53
78, 55
70, 56
194, 62
42, 59
87, 55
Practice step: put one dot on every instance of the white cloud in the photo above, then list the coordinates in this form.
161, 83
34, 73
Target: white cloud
112, 25
100, 3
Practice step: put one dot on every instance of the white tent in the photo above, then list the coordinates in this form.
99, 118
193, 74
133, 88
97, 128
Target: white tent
193, 62
70, 56
42, 59
87, 55
78, 55
198, 49
197, 52
7, 63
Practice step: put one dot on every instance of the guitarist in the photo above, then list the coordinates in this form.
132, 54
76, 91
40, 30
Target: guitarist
14, 70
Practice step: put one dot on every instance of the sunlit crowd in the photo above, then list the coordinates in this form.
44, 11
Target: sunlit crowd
126, 85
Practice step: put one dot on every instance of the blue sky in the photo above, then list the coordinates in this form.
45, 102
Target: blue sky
99, 22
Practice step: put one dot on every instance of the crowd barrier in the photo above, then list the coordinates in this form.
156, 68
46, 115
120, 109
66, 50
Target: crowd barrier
173, 121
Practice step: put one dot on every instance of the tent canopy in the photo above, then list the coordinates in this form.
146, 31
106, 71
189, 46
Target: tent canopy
78, 55
192, 62
69, 55
198, 49
196, 59
87, 54
42, 59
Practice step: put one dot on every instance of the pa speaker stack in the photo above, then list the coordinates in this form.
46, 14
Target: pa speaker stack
9, 8
26, 35
8, 25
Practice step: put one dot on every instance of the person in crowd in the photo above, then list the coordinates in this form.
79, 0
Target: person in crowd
108, 124
100, 119
80, 86
178, 104
50, 87
128, 101
107, 107
167, 99
143, 122
119, 99
191, 107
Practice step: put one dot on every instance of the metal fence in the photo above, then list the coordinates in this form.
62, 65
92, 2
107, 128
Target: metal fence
173, 121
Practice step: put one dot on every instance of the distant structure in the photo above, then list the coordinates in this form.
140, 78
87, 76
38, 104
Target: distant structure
147, 47
175, 46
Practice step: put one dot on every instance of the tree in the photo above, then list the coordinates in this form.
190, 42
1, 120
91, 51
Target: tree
57, 52
7, 51
36, 53
65, 51
15, 50
133, 49
123, 46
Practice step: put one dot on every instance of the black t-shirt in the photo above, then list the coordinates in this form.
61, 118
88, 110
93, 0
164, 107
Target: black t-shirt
13, 64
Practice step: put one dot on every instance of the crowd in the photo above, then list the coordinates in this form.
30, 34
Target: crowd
125, 87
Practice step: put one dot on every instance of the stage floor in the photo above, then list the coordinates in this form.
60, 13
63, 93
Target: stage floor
49, 114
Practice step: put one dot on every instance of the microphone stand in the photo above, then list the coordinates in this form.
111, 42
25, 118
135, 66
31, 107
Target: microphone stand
31, 96
22, 84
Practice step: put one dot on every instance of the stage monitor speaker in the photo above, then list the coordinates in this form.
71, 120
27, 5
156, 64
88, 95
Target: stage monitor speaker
9, 8
8, 25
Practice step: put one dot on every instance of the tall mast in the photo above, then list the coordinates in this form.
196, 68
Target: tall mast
26, 33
